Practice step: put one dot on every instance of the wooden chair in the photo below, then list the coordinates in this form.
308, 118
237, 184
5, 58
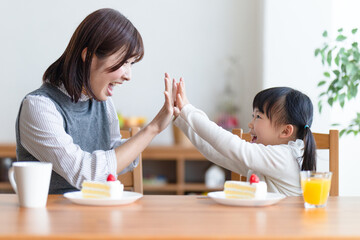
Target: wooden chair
133, 181
323, 141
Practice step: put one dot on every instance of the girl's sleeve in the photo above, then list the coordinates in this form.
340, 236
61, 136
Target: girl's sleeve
43, 135
115, 135
228, 150
207, 150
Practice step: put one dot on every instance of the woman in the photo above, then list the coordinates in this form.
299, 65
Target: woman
71, 120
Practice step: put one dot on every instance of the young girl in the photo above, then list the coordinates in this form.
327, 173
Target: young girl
282, 143
71, 120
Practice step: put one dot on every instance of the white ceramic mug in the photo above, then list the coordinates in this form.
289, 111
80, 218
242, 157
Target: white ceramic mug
30, 180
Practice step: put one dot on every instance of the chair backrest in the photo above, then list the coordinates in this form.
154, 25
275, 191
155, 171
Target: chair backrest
323, 141
133, 181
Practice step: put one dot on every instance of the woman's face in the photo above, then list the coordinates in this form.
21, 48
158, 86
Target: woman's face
102, 82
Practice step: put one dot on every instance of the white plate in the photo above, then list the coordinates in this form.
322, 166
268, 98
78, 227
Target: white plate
127, 198
270, 199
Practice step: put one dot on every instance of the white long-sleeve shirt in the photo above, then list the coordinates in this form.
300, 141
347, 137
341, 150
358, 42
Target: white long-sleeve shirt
277, 165
41, 126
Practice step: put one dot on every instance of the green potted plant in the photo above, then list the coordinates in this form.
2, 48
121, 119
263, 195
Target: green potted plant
341, 59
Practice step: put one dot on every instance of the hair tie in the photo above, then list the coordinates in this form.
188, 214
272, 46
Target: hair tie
306, 126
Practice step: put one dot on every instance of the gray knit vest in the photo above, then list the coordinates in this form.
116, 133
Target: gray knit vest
85, 121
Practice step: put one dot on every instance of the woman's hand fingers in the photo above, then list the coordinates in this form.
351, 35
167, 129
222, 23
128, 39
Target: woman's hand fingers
174, 91
167, 83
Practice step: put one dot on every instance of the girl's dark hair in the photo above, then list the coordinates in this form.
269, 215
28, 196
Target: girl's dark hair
103, 32
283, 105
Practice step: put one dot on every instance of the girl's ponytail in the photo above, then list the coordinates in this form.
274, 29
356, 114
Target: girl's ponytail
309, 156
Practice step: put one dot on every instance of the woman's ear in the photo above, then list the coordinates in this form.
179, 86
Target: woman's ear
83, 54
287, 131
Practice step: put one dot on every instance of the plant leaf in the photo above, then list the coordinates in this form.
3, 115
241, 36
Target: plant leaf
327, 74
340, 38
337, 73
342, 132
354, 30
329, 57
342, 99
330, 101
325, 34
317, 52
336, 60
320, 106
321, 83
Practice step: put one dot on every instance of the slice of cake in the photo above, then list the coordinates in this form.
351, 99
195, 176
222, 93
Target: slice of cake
112, 188
254, 189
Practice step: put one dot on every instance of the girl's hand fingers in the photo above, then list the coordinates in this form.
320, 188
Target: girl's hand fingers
179, 101
176, 111
174, 91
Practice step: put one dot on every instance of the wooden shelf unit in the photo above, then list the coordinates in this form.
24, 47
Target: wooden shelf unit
180, 154
7, 150
177, 153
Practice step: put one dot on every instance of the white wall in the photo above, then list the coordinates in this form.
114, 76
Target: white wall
193, 39
345, 15
293, 30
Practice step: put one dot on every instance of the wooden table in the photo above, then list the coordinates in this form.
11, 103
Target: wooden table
180, 217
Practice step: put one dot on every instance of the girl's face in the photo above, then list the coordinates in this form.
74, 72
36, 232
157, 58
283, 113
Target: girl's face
262, 130
103, 82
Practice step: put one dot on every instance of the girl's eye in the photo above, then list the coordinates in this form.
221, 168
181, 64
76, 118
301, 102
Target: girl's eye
258, 116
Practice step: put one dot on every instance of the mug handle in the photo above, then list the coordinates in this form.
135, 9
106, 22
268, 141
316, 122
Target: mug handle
12, 179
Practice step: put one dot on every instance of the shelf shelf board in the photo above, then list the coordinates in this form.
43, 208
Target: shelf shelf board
8, 150
173, 152
5, 187
169, 187
198, 187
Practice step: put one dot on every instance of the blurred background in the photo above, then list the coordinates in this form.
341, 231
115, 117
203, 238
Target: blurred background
226, 50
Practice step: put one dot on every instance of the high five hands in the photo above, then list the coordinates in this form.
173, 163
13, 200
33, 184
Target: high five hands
175, 100
179, 99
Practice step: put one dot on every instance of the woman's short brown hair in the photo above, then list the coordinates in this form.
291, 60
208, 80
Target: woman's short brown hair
103, 32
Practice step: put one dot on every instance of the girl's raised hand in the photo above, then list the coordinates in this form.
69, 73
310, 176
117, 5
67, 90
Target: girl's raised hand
181, 99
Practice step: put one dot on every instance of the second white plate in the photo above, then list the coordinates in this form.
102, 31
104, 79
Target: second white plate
127, 198
270, 199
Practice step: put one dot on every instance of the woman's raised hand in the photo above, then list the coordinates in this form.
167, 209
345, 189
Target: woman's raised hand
164, 116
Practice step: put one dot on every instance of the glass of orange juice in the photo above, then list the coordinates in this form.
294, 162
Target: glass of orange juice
315, 187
